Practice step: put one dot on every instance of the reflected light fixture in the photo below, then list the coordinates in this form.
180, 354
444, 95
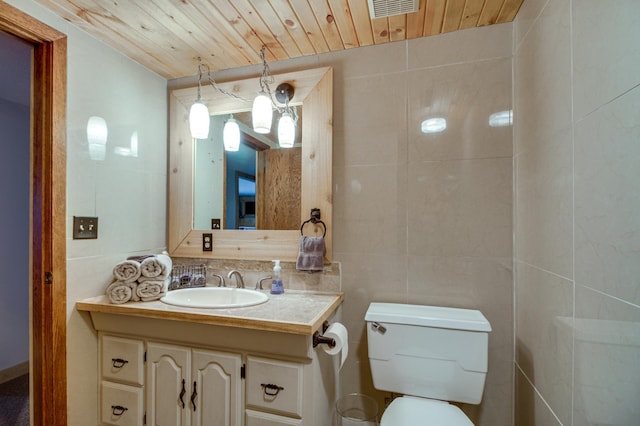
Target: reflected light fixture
199, 113
97, 133
286, 124
433, 125
231, 135
262, 111
286, 130
501, 119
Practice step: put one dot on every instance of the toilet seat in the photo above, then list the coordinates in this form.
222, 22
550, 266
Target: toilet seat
414, 411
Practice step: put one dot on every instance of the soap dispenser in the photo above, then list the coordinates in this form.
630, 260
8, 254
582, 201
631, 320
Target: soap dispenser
276, 285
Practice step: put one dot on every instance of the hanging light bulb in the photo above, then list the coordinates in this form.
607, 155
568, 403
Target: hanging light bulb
199, 113
231, 135
199, 120
286, 130
262, 113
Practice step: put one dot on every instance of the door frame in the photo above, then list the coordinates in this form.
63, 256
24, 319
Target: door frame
48, 213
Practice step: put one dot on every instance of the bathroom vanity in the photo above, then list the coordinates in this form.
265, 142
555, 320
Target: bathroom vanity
255, 366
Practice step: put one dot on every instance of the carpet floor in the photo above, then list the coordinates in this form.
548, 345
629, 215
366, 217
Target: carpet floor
14, 402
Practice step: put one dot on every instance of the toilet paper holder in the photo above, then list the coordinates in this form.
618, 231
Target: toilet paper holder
319, 339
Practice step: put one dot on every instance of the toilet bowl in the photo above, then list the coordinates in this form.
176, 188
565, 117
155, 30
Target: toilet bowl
431, 355
409, 410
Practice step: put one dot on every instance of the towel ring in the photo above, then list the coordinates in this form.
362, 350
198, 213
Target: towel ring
315, 219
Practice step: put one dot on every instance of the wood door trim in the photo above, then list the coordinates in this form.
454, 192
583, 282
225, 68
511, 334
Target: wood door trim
48, 213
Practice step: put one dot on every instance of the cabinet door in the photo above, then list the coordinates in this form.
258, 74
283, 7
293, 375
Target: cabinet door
167, 389
215, 394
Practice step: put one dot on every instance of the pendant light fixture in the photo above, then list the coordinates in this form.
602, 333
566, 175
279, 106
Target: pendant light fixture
286, 124
262, 112
286, 131
231, 135
199, 113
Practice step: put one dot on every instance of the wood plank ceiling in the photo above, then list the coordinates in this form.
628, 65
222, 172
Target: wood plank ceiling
168, 36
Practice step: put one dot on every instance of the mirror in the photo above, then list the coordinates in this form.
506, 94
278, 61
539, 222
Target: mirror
276, 174
314, 92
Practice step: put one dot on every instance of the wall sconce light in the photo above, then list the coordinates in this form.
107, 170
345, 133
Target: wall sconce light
97, 133
231, 135
199, 113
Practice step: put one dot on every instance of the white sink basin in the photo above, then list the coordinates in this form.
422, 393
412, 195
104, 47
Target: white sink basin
214, 297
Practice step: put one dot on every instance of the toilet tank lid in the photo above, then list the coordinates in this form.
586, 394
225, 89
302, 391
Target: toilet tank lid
427, 316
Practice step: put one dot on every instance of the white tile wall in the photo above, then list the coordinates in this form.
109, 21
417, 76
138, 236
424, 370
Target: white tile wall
577, 127
127, 194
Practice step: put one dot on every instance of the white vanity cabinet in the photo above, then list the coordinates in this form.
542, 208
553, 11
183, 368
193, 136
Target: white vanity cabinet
167, 367
192, 387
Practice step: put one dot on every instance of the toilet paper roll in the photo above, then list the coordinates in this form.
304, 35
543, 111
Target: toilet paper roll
337, 332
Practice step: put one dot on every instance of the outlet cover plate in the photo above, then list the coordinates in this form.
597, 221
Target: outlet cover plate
207, 242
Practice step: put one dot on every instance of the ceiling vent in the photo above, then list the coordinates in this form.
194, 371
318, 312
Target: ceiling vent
384, 8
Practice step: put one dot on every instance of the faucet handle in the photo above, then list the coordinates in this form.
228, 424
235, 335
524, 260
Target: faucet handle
259, 283
220, 280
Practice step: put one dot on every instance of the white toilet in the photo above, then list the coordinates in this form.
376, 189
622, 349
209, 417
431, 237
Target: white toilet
431, 355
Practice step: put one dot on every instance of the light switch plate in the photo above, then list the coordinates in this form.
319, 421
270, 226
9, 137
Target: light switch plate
85, 228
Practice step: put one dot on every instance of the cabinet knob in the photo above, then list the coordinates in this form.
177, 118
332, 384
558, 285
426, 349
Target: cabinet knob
118, 362
270, 389
118, 410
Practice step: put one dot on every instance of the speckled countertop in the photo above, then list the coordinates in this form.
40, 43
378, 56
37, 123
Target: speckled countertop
296, 312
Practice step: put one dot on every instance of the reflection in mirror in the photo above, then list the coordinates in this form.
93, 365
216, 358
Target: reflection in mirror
314, 95
276, 172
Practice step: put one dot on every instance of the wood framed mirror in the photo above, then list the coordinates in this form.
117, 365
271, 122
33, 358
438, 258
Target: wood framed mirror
314, 95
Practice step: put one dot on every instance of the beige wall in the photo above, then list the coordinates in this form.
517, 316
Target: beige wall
422, 218
577, 221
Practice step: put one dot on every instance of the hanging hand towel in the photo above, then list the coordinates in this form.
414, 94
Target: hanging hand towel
127, 271
311, 254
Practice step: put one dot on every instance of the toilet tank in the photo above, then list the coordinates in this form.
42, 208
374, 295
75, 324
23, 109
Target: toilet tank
428, 351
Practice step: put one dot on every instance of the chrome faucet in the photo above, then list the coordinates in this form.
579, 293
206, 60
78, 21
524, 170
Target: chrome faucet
259, 283
239, 280
220, 279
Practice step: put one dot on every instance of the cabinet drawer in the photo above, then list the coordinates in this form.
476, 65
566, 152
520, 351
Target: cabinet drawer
123, 360
275, 385
256, 418
121, 405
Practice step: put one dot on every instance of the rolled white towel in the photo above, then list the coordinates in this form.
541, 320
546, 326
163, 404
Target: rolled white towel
156, 266
119, 292
152, 290
127, 271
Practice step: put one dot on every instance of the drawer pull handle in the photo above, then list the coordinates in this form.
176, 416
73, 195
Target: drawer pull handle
182, 394
118, 362
193, 397
118, 410
270, 389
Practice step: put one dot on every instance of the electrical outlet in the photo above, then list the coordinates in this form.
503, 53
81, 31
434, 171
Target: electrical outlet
207, 242
85, 228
